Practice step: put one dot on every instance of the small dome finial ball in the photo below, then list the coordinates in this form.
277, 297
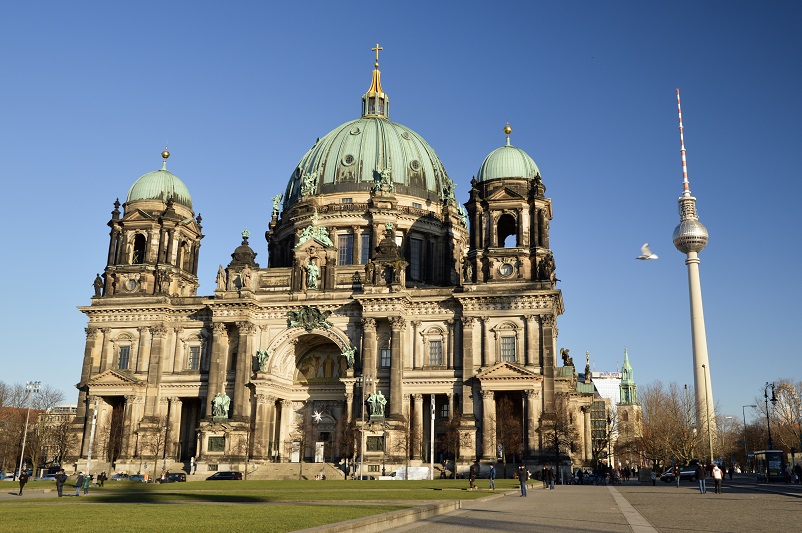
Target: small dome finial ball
165, 154
507, 129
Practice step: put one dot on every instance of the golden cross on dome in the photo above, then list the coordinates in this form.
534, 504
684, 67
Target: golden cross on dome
377, 49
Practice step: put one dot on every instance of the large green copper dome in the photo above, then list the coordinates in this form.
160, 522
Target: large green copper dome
160, 185
507, 162
358, 154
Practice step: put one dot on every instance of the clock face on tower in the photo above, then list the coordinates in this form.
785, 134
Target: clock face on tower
130, 285
505, 270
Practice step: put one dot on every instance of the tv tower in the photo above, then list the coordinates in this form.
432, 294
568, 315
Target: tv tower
690, 238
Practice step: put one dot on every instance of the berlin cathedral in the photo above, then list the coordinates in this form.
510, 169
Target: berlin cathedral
391, 324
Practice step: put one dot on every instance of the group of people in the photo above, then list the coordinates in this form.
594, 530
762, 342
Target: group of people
713, 471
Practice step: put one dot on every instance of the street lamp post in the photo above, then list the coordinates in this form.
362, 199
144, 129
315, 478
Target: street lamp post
707, 412
773, 402
30, 387
746, 450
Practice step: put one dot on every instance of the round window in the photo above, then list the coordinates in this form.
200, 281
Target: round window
405, 135
348, 160
355, 130
414, 165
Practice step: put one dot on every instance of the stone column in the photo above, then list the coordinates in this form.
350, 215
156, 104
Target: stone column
523, 226
106, 350
368, 346
88, 427
488, 425
549, 366
532, 420
178, 358
357, 245
175, 427
217, 370
487, 358
416, 363
450, 400
285, 430
588, 437
467, 369
262, 423
242, 403
532, 340
154, 370
349, 407
90, 352
449, 347
398, 325
417, 427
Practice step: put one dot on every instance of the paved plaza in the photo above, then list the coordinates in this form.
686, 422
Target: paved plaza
746, 508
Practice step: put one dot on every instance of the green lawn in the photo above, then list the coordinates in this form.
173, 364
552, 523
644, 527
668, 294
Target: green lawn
223, 505
70, 515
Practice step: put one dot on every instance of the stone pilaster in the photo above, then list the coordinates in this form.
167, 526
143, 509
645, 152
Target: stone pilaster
398, 325
467, 370
242, 404
417, 427
488, 425
217, 370
368, 346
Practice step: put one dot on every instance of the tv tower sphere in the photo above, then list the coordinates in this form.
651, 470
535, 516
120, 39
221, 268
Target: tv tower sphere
690, 236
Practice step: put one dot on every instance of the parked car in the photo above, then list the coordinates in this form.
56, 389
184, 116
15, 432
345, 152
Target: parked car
173, 477
224, 475
137, 477
46, 477
119, 477
685, 473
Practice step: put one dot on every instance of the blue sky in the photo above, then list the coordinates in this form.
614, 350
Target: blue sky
91, 92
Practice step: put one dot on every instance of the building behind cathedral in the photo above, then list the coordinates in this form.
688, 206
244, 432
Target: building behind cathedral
384, 306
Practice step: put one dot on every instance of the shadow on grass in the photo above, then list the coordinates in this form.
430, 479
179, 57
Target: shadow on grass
142, 493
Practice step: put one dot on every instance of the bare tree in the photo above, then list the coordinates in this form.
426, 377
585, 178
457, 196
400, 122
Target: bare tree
154, 441
787, 414
560, 435
508, 428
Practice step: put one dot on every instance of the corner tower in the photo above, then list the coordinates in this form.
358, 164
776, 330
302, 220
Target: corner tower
154, 245
509, 218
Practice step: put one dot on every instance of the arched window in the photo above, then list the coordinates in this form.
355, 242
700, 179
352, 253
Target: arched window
506, 229
139, 249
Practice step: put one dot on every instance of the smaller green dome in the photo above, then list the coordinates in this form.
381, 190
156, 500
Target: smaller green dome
160, 185
507, 162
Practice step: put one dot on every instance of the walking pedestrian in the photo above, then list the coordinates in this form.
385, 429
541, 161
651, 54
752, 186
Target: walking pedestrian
79, 483
550, 478
492, 477
23, 479
654, 478
523, 476
677, 475
87, 482
700, 475
717, 475
193, 466
61, 479
472, 477
544, 475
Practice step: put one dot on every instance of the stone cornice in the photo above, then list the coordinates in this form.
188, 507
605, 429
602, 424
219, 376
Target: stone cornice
549, 302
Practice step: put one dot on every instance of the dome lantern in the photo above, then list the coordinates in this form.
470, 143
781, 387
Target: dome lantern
375, 102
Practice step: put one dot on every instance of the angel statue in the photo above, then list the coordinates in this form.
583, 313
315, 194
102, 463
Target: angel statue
349, 354
261, 358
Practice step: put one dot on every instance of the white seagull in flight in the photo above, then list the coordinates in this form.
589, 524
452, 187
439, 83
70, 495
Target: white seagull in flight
646, 253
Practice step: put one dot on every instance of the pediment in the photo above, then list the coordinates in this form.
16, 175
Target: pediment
313, 242
504, 193
506, 371
114, 378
